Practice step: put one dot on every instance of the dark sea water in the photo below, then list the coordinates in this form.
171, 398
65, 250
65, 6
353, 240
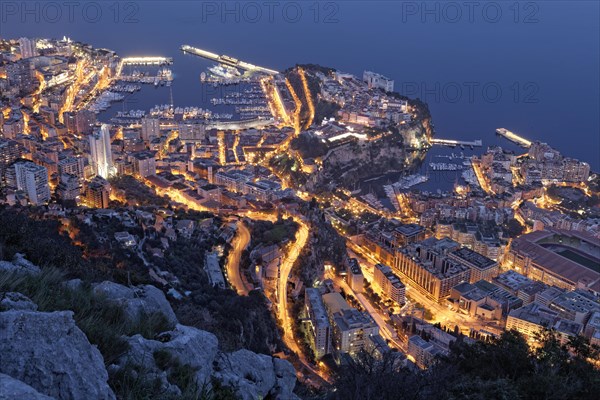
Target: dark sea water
531, 67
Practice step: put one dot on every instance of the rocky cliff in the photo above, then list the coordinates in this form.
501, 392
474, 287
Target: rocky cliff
45, 355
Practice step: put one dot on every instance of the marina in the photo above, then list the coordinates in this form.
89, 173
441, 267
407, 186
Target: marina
445, 166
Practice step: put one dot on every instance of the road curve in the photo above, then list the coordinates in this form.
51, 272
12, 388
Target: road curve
234, 273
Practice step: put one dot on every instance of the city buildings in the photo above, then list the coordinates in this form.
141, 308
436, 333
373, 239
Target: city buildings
566, 259
97, 193
531, 320
355, 276
422, 352
351, 328
484, 299
429, 269
481, 266
576, 306
10, 151
150, 128
68, 187
101, 154
482, 237
33, 180
73, 166
389, 283
378, 81
144, 163
320, 327
213, 270
27, 47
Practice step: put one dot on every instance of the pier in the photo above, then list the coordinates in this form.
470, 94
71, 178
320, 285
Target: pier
142, 61
454, 143
227, 60
147, 61
513, 137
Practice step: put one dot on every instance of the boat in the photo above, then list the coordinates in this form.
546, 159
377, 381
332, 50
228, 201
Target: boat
410, 181
225, 71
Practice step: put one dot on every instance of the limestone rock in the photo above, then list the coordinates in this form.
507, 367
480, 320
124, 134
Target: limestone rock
256, 375
11, 388
285, 375
16, 301
51, 354
73, 284
137, 301
189, 345
19, 264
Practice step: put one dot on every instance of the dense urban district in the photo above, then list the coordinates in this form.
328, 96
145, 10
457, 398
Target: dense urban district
184, 253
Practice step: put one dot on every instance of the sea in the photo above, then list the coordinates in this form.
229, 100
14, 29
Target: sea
532, 67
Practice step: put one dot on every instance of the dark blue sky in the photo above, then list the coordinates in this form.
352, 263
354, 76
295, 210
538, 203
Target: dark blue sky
533, 68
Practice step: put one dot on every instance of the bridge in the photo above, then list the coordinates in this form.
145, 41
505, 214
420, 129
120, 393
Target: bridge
227, 60
453, 143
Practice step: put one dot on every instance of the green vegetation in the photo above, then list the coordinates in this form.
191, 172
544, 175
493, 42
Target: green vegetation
503, 368
52, 247
290, 167
513, 228
309, 146
136, 193
104, 323
268, 233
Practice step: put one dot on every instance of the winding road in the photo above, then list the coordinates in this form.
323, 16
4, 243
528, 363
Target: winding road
234, 273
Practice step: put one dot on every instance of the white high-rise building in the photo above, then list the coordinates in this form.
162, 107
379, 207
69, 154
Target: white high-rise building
27, 47
150, 128
101, 155
33, 180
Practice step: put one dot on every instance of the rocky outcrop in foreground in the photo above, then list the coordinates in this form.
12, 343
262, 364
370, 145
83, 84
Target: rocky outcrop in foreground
48, 352
44, 355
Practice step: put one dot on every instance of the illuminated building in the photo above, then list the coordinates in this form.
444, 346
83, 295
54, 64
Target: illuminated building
97, 193
68, 187
355, 276
144, 163
565, 259
101, 155
150, 128
72, 165
319, 323
389, 283
428, 268
531, 319
10, 151
378, 81
27, 47
424, 353
481, 266
33, 180
351, 328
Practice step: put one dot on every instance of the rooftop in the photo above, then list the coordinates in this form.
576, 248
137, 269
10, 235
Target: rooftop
334, 302
473, 258
318, 308
557, 264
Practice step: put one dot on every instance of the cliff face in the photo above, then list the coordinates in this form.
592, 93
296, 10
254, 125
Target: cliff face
46, 355
353, 162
